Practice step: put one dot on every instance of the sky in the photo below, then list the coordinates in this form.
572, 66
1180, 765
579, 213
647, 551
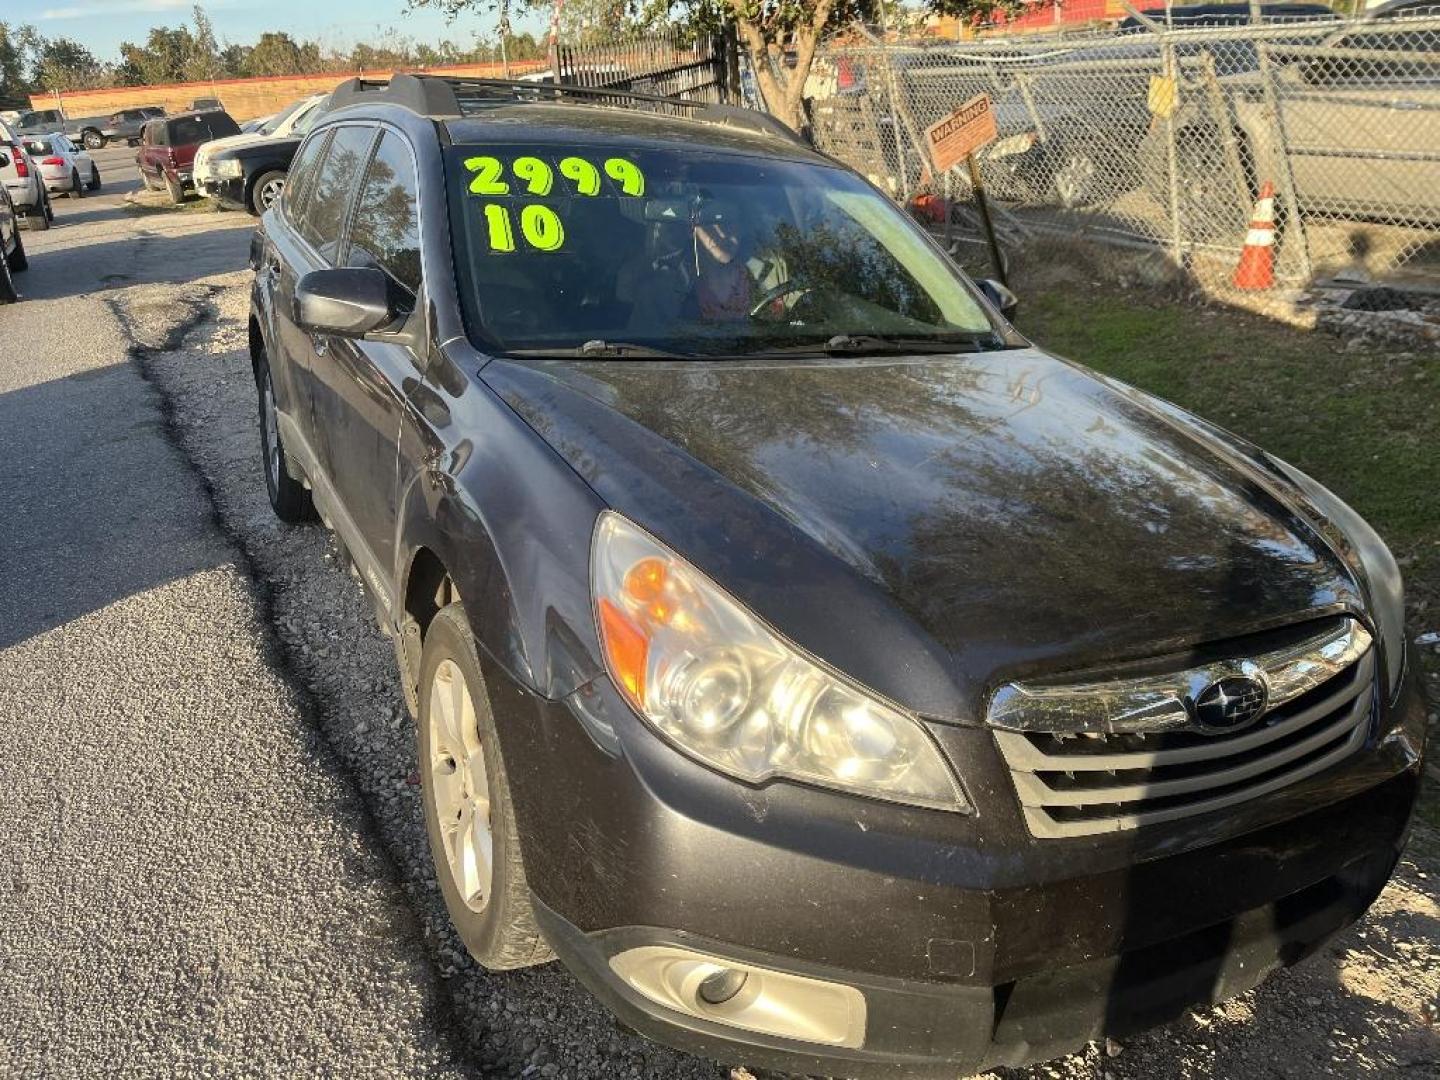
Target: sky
101, 25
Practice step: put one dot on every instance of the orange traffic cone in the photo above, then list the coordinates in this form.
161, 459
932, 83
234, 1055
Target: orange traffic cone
1257, 260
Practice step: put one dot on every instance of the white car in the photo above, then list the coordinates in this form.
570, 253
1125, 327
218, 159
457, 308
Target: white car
63, 165
22, 181
292, 122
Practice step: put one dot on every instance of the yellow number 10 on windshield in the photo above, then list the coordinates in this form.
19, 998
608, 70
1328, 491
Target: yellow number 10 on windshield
540, 226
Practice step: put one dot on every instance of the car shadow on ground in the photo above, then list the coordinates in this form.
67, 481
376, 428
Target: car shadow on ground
90, 523
170, 248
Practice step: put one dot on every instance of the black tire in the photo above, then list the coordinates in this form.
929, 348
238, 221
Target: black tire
175, 189
503, 934
93, 140
8, 295
17, 259
267, 185
77, 189
38, 220
94, 184
288, 497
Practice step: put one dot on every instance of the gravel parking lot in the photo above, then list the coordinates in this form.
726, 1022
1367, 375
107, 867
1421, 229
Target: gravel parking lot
214, 856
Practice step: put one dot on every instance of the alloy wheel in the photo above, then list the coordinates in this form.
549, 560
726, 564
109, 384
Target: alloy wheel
269, 192
1075, 180
460, 786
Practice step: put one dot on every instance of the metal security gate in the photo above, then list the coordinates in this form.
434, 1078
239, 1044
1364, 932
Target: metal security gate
700, 69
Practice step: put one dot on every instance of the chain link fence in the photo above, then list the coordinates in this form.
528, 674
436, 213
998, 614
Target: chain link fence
1164, 138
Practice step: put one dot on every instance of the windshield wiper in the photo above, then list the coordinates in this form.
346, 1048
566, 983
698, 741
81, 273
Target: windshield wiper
599, 348
884, 344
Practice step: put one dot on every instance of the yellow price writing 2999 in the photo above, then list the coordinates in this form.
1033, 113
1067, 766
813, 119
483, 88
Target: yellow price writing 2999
528, 175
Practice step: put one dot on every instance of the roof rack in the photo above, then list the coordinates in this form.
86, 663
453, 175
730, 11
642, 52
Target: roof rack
441, 96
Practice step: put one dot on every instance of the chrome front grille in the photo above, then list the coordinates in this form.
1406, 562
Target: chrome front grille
1122, 753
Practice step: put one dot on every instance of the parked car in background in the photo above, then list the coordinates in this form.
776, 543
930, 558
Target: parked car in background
206, 104
128, 123
250, 126
1338, 114
12, 244
90, 131
1193, 16
22, 181
247, 172
168, 146
63, 166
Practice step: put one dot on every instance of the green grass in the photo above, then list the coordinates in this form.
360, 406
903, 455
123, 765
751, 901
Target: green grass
1365, 422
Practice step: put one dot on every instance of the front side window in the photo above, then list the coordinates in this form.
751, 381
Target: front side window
385, 232
302, 171
322, 219
690, 253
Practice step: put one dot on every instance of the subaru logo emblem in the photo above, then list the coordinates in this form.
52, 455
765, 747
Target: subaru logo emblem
1229, 704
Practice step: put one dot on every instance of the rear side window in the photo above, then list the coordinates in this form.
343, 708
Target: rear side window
386, 230
199, 129
322, 218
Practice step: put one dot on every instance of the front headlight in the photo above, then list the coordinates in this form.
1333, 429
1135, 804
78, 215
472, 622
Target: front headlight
1376, 565
227, 167
724, 688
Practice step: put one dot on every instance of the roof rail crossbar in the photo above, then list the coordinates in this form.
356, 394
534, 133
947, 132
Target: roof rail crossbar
438, 95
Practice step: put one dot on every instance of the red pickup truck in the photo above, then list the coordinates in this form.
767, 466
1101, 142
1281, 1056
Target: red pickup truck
168, 145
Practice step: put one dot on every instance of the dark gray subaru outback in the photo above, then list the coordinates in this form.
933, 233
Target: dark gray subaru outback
832, 679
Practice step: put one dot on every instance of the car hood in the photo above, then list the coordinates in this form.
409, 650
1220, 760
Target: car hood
1026, 515
229, 142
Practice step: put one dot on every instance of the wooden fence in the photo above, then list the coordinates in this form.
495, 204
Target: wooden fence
244, 98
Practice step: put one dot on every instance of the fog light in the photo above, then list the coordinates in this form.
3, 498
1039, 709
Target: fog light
739, 995
722, 986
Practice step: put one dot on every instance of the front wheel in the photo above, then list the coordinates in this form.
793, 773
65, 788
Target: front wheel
265, 191
469, 817
288, 497
93, 140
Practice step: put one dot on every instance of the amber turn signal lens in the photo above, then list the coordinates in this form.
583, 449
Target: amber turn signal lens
626, 647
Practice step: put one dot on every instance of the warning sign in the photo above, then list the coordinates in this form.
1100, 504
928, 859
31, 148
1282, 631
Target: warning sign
963, 132
1161, 98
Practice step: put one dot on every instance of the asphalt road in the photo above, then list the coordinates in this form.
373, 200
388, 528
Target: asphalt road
189, 882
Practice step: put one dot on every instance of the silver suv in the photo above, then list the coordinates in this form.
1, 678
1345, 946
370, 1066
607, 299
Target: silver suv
23, 182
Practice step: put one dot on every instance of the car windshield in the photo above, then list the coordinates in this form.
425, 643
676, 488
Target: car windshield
272, 125
696, 254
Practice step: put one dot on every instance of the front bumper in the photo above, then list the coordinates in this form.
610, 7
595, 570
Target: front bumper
973, 944
230, 191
